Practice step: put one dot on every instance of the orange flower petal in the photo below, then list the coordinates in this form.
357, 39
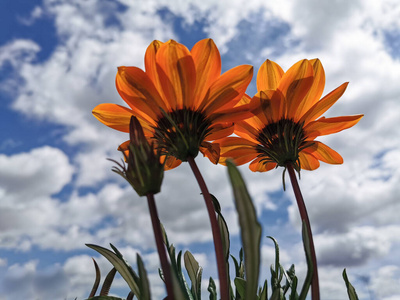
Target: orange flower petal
323, 153
235, 114
219, 131
247, 131
260, 166
316, 90
269, 75
207, 61
177, 74
124, 146
113, 115
246, 99
233, 142
241, 160
151, 68
324, 104
295, 84
211, 151
227, 90
308, 161
170, 163
325, 126
138, 91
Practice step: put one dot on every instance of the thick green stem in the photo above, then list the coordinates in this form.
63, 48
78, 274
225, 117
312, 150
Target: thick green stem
219, 253
160, 246
304, 218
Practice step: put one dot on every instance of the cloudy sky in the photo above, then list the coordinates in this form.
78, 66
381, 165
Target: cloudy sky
58, 60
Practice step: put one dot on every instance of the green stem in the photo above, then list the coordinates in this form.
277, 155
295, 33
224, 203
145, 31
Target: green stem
219, 253
160, 245
304, 218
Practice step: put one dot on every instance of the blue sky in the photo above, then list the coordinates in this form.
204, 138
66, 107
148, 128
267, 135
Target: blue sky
58, 60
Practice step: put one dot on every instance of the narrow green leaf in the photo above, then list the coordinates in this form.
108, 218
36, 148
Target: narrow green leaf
97, 280
277, 295
193, 269
122, 267
351, 291
105, 289
293, 287
310, 266
240, 285
250, 230
264, 292
104, 298
144, 281
212, 288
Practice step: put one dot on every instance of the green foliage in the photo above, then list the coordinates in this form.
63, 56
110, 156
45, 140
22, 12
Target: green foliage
350, 289
250, 230
283, 283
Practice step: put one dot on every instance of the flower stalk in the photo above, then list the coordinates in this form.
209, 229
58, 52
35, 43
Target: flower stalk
160, 245
304, 218
145, 173
219, 253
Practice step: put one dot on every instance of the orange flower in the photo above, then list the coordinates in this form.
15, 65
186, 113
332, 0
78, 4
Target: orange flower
182, 101
286, 120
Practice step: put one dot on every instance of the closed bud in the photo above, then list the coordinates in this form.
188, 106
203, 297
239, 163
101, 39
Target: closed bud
143, 169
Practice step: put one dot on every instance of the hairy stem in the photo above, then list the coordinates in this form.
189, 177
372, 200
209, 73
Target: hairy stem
160, 246
219, 253
304, 217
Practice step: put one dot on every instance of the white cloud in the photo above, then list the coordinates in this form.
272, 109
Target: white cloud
352, 207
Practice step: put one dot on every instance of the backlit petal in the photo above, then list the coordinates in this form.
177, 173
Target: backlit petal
324, 104
211, 151
316, 90
246, 130
219, 131
138, 91
170, 163
269, 75
207, 61
323, 153
151, 68
258, 165
308, 161
227, 90
113, 115
177, 74
233, 142
235, 114
295, 84
325, 126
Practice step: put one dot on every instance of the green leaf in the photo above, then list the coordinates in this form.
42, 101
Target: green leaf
97, 280
310, 266
240, 285
144, 281
194, 271
104, 298
105, 289
122, 267
250, 230
351, 291
264, 292
277, 295
212, 288
293, 287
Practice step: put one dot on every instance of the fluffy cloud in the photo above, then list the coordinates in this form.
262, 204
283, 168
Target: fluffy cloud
352, 207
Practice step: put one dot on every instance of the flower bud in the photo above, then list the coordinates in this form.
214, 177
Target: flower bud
143, 169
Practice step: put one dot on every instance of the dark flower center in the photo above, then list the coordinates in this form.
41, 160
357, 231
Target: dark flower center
180, 133
281, 142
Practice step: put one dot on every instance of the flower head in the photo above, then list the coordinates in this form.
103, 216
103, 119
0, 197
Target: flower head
181, 99
287, 119
143, 171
